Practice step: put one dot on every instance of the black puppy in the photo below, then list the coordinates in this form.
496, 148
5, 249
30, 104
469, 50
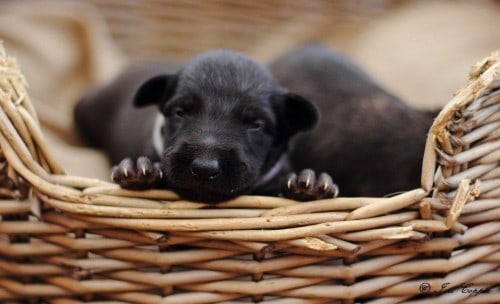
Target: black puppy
368, 139
221, 128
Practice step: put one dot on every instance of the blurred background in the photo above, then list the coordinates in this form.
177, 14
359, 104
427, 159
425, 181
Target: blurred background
420, 50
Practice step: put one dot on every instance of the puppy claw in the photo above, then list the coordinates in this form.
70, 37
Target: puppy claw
144, 165
291, 181
336, 190
325, 181
127, 167
158, 170
307, 178
307, 187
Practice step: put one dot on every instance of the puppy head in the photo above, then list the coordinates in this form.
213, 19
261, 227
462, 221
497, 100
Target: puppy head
224, 124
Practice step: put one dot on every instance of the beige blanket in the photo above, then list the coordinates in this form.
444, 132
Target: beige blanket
63, 48
422, 50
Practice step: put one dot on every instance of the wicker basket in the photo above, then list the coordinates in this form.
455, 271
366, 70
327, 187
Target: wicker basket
68, 239
180, 29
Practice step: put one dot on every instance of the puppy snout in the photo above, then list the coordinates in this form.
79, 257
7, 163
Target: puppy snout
205, 168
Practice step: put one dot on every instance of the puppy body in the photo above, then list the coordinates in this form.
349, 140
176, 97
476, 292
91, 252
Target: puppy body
367, 139
220, 128
107, 118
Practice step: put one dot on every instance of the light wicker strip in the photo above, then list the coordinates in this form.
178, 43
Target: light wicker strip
70, 239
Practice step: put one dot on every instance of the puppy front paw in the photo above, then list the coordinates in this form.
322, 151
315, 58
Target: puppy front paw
307, 186
139, 175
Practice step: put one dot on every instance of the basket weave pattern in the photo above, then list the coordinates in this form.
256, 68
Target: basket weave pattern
181, 29
68, 239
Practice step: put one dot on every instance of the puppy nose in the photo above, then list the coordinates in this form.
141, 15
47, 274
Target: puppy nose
205, 168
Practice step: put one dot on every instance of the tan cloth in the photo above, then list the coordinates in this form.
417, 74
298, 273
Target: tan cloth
421, 50
62, 47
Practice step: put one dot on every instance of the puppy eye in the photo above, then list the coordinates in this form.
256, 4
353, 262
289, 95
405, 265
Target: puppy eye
257, 124
179, 112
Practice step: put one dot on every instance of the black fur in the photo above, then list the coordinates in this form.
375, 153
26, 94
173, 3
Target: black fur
367, 139
227, 124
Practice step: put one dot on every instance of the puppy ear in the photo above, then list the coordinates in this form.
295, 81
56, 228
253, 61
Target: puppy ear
155, 90
296, 113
